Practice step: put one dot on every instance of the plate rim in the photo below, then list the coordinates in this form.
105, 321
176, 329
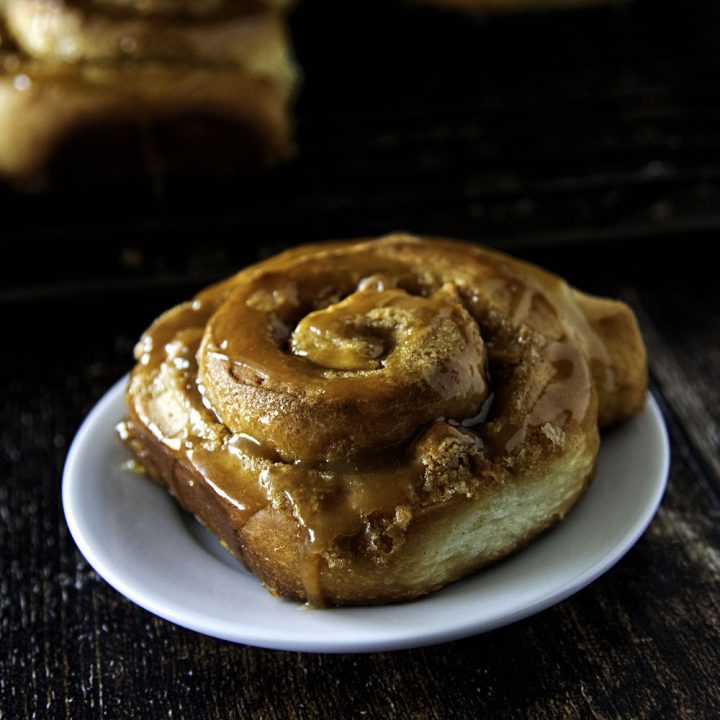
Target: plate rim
72, 481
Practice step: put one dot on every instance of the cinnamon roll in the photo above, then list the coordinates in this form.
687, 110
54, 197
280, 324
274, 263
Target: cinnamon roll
366, 422
91, 92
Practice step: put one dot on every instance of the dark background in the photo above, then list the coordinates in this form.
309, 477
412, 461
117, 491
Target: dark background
586, 140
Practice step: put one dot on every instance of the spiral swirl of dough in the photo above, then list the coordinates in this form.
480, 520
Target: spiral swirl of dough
357, 375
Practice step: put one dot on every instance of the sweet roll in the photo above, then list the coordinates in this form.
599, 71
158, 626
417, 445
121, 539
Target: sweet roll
368, 421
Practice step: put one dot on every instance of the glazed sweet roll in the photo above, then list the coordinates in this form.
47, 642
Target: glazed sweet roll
366, 422
100, 89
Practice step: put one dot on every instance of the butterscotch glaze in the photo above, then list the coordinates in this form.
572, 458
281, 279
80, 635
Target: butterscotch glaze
355, 387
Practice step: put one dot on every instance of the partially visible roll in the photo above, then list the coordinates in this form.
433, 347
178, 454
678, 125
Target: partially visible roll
366, 422
89, 94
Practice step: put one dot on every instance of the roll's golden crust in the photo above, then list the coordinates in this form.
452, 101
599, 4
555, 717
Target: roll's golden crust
367, 422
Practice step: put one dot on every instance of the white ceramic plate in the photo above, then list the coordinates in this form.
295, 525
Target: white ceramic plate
136, 537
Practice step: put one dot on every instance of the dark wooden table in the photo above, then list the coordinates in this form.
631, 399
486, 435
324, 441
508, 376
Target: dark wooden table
585, 141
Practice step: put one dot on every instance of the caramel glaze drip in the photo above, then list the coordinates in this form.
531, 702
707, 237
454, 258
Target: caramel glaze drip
326, 382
